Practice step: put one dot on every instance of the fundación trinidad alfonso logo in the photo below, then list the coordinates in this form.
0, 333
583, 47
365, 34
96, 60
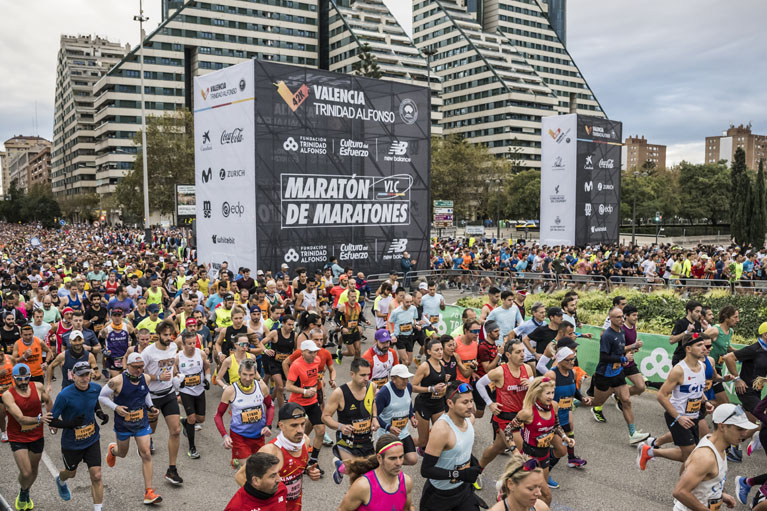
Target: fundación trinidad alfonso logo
294, 100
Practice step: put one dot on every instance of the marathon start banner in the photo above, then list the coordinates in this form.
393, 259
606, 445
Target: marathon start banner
580, 180
297, 165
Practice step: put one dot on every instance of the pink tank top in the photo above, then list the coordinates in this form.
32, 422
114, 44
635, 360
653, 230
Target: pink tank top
380, 499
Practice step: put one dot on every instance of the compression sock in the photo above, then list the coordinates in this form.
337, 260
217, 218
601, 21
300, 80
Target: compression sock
757, 481
189, 434
570, 450
553, 461
24, 494
598, 408
96, 507
651, 452
315, 455
632, 429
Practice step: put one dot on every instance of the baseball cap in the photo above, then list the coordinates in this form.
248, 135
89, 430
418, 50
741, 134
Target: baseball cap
117, 311
291, 411
76, 333
191, 322
423, 285
491, 325
383, 335
260, 272
522, 291
81, 368
566, 342
255, 308
135, 358
284, 265
729, 413
153, 308
763, 328
21, 370
401, 371
309, 345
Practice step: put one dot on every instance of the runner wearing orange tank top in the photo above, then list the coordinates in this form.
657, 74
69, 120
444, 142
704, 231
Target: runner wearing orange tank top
290, 447
30, 350
466, 348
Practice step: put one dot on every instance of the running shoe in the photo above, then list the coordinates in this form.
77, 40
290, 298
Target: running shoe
339, 355
171, 475
478, 483
598, 415
151, 445
743, 489
643, 456
150, 497
64, 492
618, 403
21, 505
4, 437
754, 445
192, 453
236, 464
327, 441
183, 426
553, 484
734, 455
111, 458
338, 477
576, 463
197, 427
637, 437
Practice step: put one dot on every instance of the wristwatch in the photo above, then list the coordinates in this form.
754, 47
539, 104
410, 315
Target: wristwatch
454, 474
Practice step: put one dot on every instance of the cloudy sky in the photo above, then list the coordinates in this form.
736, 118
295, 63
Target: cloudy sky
673, 71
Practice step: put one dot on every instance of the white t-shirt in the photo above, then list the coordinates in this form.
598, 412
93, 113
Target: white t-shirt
133, 292
157, 361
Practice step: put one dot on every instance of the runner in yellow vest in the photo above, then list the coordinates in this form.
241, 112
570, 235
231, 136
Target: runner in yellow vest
230, 368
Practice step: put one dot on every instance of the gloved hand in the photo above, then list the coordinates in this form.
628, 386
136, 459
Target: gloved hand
206, 384
470, 474
104, 418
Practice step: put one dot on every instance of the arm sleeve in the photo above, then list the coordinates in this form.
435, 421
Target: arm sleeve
105, 397
383, 398
482, 384
219, 418
269, 411
541, 365
431, 471
148, 401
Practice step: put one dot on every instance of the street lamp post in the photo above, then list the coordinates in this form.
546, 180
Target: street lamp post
498, 210
141, 19
634, 210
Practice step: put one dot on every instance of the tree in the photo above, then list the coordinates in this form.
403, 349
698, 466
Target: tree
80, 207
706, 186
523, 195
37, 206
170, 157
459, 172
740, 197
367, 65
758, 221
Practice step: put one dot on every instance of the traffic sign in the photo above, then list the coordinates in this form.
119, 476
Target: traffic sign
443, 211
443, 224
446, 218
443, 204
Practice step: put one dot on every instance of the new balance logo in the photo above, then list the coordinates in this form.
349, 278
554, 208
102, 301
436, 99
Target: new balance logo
398, 148
398, 245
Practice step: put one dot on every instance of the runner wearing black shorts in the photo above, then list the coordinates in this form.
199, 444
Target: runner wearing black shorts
192, 379
281, 343
429, 382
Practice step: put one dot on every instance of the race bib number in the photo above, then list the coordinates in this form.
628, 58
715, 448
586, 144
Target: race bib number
406, 328
294, 486
352, 324
380, 382
714, 504
361, 426
693, 405
399, 422
565, 403
617, 366
85, 432
281, 356
709, 383
251, 415
544, 441
118, 362
192, 381
135, 415
29, 427
97, 328
433, 320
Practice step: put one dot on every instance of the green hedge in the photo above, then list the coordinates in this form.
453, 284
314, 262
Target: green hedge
657, 310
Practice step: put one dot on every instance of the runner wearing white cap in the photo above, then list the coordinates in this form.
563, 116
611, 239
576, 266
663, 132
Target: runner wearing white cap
394, 412
701, 483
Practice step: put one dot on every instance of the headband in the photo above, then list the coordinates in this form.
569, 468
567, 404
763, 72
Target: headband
389, 446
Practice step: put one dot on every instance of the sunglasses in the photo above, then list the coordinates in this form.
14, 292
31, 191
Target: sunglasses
527, 466
475, 331
461, 389
26, 378
737, 411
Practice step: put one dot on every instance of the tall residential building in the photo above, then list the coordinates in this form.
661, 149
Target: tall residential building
723, 147
31, 166
19, 151
557, 14
193, 38
637, 151
353, 25
492, 93
82, 60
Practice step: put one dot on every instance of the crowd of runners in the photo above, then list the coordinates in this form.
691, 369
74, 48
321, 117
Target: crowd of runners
99, 326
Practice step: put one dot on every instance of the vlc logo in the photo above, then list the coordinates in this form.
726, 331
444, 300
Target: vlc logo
294, 100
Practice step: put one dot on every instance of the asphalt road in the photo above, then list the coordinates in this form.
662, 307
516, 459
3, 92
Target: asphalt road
610, 481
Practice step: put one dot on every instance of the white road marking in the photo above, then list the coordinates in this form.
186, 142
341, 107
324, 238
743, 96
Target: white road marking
49, 464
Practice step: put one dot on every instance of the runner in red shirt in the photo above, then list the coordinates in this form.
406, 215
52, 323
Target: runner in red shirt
24, 402
302, 385
326, 362
290, 448
263, 489
510, 380
6, 380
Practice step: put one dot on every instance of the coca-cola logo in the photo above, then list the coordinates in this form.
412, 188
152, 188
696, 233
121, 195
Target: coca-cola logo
231, 137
